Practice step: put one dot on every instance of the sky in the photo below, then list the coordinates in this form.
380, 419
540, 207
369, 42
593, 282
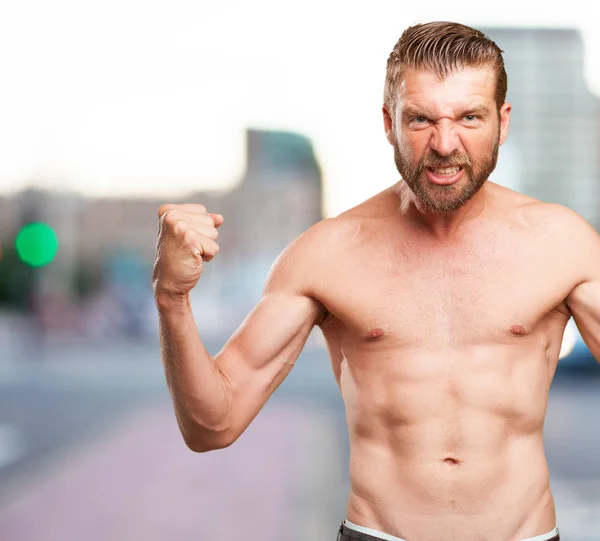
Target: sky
142, 98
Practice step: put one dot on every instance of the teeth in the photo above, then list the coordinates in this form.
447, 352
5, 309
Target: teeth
447, 170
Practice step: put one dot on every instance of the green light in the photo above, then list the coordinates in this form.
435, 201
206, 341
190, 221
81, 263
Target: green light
36, 244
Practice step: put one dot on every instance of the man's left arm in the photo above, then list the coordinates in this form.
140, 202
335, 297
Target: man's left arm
584, 299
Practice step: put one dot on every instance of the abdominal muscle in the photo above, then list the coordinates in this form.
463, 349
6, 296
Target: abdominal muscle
448, 457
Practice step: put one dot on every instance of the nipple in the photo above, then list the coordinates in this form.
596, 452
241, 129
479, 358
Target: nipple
375, 334
518, 330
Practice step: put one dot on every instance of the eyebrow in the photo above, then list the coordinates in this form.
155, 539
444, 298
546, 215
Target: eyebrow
479, 109
412, 110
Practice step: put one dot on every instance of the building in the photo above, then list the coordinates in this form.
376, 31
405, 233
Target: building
279, 197
553, 147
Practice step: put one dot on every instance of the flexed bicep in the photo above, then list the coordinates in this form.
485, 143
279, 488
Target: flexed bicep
263, 350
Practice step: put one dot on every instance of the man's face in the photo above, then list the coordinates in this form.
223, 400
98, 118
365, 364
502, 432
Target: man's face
446, 134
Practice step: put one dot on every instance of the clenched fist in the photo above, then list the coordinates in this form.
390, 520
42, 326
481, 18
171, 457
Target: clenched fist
187, 236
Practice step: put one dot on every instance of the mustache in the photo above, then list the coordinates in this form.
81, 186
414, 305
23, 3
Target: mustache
435, 160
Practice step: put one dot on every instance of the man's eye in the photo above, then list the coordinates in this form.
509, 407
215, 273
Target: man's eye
471, 118
420, 119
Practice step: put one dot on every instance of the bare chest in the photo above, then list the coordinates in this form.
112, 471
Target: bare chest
471, 294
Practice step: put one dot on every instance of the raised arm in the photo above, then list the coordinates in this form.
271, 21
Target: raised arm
584, 299
215, 399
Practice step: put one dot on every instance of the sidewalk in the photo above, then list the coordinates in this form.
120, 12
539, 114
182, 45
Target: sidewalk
138, 481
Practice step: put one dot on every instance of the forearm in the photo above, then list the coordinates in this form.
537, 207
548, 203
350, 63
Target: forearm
200, 392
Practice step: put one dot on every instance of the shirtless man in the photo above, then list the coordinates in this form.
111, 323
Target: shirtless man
443, 301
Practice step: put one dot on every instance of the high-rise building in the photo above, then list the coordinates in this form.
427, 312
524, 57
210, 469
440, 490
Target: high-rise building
553, 147
278, 198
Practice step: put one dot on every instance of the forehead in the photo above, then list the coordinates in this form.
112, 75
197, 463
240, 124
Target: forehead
462, 88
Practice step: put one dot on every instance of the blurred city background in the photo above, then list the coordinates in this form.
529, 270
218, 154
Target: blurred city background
106, 117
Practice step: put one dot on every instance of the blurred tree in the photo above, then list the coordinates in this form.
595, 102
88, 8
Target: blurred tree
88, 279
16, 280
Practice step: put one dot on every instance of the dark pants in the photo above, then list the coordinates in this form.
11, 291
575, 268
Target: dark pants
346, 534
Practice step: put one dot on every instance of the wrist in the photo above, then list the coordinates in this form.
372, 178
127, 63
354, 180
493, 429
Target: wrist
168, 300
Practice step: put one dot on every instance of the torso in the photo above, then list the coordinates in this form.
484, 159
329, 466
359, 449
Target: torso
444, 353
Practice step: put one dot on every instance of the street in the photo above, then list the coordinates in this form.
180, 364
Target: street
90, 450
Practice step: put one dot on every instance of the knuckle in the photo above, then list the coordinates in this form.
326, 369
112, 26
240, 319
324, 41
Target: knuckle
179, 227
189, 236
211, 248
207, 219
163, 209
170, 217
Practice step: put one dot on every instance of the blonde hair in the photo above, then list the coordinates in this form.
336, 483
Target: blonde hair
442, 47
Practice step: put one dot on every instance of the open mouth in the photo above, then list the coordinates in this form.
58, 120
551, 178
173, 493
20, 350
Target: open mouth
444, 175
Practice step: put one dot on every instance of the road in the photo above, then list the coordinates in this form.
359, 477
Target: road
89, 450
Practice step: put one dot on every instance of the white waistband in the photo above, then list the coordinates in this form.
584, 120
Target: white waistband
544, 536
388, 537
374, 533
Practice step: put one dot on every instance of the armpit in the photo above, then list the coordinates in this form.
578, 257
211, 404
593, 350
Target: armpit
325, 317
563, 309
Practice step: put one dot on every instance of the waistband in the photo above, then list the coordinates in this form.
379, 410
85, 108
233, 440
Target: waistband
387, 537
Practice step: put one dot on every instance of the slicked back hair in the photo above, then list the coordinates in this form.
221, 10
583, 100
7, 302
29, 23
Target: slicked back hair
442, 47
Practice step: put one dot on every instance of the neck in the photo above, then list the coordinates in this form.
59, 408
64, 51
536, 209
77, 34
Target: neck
442, 226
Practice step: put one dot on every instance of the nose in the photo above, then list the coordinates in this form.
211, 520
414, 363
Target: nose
444, 140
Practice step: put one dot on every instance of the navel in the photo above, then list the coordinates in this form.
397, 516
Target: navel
517, 330
451, 461
374, 334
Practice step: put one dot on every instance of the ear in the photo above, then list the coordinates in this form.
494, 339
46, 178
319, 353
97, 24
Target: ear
504, 121
388, 125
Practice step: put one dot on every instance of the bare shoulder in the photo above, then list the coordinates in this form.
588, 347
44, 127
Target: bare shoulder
310, 258
554, 219
564, 233
305, 260
536, 215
